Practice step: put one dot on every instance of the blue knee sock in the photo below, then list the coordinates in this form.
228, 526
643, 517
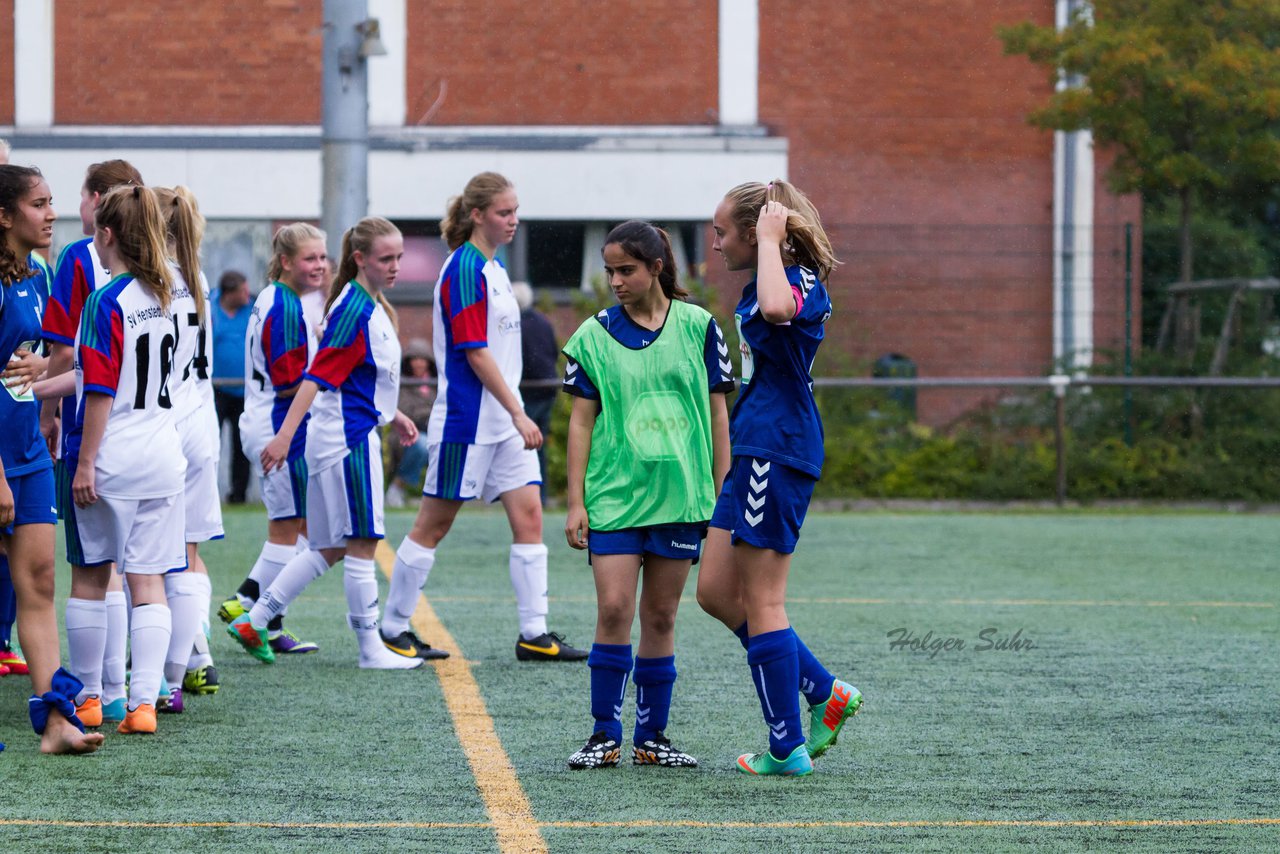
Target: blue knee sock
775, 669
816, 681
654, 678
8, 603
610, 664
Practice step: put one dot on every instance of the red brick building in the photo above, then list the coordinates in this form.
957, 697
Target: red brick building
973, 243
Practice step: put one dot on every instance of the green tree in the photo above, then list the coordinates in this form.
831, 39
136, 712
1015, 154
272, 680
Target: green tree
1186, 92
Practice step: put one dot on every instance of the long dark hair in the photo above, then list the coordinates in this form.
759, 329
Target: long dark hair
646, 242
15, 183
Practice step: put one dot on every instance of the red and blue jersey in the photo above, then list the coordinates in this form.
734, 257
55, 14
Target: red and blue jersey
125, 350
79, 273
21, 308
277, 352
475, 308
358, 370
775, 416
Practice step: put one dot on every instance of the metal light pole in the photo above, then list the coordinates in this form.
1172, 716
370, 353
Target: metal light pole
345, 125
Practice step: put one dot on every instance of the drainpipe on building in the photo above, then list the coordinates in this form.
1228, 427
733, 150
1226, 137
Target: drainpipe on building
1073, 231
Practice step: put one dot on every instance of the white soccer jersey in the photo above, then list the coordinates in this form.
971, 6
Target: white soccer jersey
358, 370
474, 307
189, 385
125, 349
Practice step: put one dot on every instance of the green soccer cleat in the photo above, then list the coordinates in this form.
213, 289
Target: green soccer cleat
827, 719
253, 640
201, 680
230, 609
798, 764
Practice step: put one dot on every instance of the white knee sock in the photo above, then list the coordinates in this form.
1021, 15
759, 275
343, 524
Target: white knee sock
188, 594
528, 565
271, 560
86, 640
292, 580
302, 544
413, 565
113, 655
149, 639
362, 600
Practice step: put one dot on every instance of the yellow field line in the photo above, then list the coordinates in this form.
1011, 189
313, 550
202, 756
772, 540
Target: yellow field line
504, 799
642, 823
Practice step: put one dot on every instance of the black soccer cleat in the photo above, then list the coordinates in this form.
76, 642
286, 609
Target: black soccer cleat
658, 751
411, 646
600, 751
549, 646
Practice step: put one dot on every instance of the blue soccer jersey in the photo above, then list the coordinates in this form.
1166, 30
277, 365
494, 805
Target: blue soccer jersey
775, 416
21, 310
358, 370
632, 335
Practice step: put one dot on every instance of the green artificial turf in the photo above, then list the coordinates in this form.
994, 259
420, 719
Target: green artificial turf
1148, 694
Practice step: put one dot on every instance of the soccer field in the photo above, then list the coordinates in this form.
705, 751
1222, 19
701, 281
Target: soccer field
1116, 686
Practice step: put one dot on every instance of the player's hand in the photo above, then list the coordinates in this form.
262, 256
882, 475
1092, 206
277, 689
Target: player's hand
49, 430
6, 504
83, 489
528, 431
771, 226
274, 454
576, 527
407, 430
24, 368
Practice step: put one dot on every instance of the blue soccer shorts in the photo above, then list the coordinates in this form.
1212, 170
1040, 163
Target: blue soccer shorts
763, 504
678, 542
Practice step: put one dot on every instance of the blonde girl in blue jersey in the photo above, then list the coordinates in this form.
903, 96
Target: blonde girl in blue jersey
774, 232
353, 382
648, 449
128, 481
27, 515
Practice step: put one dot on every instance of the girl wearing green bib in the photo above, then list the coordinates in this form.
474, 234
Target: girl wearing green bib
648, 450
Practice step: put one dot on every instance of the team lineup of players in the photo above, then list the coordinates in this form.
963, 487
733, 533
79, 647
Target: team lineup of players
660, 474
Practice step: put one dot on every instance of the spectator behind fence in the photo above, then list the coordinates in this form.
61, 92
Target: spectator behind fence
540, 350
230, 325
416, 397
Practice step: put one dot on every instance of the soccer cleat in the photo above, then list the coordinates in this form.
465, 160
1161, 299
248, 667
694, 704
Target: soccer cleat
600, 751
253, 640
4, 671
827, 719
140, 721
90, 711
658, 751
230, 609
286, 642
14, 661
171, 705
201, 680
381, 659
798, 764
547, 647
115, 710
411, 646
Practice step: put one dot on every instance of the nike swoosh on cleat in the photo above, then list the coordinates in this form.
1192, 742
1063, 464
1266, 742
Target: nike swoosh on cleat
554, 649
407, 652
